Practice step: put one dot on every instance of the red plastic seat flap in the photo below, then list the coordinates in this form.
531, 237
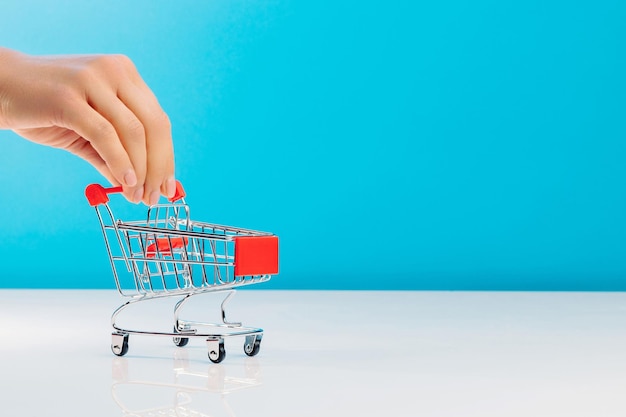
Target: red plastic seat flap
163, 246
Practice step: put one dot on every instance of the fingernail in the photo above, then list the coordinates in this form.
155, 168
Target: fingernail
130, 178
154, 197
138, 195
170, 187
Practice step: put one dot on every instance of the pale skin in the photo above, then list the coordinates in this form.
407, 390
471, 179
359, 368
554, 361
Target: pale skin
97, 107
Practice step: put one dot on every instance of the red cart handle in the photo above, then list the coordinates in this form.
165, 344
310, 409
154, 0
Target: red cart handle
97, 194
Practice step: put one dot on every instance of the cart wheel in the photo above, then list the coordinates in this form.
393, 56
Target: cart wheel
217, 353
119, 344
252, 345
180, 341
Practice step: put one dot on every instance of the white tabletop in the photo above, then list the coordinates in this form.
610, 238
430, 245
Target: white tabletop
323, 354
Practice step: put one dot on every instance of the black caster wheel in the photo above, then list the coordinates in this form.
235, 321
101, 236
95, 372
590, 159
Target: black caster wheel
217, 353
252, 345
119, 344
180, 341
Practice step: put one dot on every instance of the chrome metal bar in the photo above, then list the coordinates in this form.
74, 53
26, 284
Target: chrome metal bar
126, 226
216, 269
223, 308
153, 260
177, 308
108, 247
227, 269
230, 228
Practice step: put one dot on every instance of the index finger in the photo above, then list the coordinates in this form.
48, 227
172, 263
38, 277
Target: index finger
100, 133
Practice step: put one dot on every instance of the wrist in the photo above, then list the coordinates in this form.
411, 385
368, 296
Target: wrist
4, 57
7, 57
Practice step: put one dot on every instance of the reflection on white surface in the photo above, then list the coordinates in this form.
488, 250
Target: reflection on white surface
405, 354
189, 389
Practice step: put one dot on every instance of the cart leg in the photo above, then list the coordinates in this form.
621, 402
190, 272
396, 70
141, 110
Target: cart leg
217, 353
223, 308
179, 326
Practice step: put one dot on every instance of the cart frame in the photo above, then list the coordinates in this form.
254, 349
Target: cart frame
169, 255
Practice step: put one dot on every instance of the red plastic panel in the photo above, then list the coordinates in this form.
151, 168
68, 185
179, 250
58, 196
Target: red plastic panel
164, 246
256, 255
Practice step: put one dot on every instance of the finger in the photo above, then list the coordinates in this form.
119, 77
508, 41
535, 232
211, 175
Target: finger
159, 149
168, 188
93, 127
132, 135
82, 148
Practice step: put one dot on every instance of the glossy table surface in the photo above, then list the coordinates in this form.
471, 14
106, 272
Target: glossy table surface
323, 354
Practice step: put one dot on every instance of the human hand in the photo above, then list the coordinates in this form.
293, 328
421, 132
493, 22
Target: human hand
96, 107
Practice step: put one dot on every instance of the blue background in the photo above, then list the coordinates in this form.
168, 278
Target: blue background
391, 145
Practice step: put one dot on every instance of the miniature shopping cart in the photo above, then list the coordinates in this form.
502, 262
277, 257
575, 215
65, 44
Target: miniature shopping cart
167, 254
